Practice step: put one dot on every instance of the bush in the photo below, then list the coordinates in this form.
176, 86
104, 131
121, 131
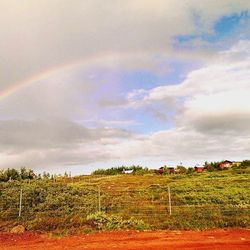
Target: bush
245, 163
181, 170
13, 174
119, 170
102, 221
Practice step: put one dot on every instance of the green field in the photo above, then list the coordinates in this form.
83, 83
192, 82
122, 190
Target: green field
86, 203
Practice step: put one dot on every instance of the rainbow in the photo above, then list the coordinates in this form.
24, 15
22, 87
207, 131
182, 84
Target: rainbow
106, 57
38, 77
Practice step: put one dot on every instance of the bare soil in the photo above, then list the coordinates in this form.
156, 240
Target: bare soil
230, 239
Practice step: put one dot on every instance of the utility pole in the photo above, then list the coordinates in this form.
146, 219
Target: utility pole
20, 203
169, 201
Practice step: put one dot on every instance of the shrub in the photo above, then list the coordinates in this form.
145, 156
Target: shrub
245, 163
102, 221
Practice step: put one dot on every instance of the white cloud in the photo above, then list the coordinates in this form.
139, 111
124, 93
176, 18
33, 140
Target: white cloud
228, 70
210, 107
54, 32
212, 112
43, 143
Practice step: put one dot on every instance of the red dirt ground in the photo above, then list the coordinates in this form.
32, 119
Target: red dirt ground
230, 239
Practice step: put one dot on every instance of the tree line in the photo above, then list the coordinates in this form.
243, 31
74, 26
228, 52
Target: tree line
208, 166
28, 174
14, 174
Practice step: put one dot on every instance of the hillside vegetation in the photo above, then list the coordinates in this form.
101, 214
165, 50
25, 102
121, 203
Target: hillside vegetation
100, 202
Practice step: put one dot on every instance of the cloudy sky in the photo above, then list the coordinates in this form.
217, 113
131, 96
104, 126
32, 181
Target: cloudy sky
95, 84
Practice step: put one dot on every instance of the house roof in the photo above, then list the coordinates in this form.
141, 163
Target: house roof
226, 161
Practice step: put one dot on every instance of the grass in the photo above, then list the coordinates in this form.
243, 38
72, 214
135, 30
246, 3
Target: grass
199, 201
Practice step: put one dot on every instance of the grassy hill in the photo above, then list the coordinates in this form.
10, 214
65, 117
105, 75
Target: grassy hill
83, 203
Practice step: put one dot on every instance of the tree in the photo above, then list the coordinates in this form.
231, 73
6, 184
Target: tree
245, 164
46, 175
3, 175
24, 173
12, 174
190, 170
212, 166
181, 170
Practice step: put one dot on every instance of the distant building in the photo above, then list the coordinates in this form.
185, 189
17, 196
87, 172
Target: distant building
130, 171
161, 170
157, 171
171, 170
225, 164
198, 169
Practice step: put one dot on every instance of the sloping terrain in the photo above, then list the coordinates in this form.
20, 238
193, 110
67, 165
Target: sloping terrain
230, 239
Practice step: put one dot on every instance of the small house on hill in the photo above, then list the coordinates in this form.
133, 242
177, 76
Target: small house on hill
198, 169
161, 170
130, 171
157, 171
171, 170
225, 164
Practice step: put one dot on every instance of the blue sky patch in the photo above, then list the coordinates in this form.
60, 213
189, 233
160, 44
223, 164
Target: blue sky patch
225, 27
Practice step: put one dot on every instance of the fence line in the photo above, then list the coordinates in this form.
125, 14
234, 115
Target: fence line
150, 205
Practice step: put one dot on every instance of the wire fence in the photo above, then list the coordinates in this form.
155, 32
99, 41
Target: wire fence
159, 207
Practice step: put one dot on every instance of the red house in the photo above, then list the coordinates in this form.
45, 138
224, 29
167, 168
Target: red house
198, 169
161, 170
225, 164
171, 170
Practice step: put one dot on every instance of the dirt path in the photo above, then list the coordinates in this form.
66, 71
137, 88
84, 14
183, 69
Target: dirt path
220, 239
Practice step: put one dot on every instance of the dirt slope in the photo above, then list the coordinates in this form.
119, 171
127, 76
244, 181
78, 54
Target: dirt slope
220, 239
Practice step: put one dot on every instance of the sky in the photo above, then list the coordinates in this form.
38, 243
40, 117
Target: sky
87, 84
